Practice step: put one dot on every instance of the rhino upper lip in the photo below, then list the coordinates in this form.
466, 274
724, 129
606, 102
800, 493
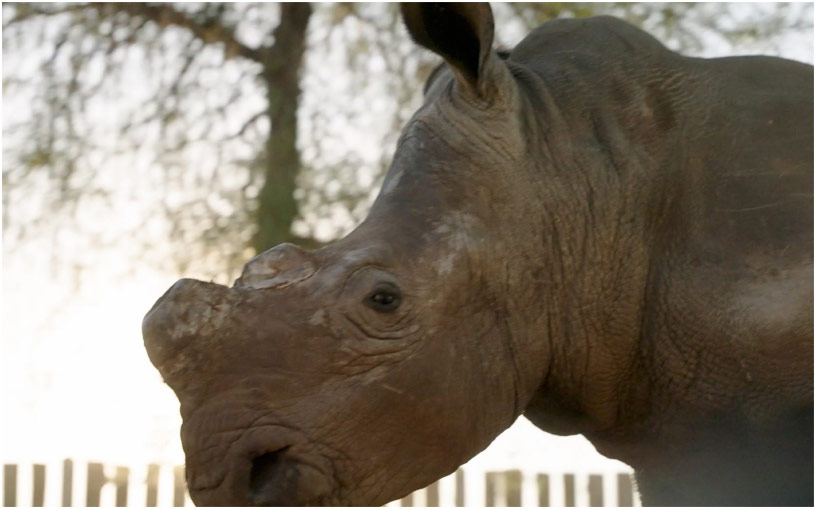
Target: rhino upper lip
279, 477
263, 468
264, 462
255, 439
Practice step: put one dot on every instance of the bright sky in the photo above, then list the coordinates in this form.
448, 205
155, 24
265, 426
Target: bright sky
76, 382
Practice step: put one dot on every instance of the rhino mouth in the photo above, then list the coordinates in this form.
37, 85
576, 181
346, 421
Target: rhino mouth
282, 477
258, 464
274, 478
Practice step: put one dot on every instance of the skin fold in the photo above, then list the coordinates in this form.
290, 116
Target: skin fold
606, 236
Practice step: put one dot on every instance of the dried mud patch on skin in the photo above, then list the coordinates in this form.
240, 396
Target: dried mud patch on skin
454, 230
319, 317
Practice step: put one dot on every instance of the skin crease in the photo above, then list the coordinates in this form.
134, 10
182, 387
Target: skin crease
593, 231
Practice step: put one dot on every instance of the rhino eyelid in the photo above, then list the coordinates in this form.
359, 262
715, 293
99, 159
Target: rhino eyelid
360, 268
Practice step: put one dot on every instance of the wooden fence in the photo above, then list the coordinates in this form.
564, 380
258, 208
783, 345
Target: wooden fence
91, 484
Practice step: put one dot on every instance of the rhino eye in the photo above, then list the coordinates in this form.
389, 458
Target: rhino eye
384, 299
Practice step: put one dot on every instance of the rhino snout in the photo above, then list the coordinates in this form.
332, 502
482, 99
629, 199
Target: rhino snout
279, 267
188, 311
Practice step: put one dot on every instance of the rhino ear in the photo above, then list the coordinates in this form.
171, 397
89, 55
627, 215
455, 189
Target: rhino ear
461, 33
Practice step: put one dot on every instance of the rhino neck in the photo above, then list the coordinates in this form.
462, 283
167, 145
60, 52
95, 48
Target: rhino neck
599, 194
575, 252
593, 272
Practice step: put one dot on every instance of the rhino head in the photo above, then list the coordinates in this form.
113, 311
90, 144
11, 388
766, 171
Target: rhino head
361, 371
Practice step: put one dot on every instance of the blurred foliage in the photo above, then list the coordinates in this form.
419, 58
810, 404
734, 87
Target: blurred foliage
156, 131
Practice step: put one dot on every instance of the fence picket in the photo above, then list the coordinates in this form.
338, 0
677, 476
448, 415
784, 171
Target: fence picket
596, 491
67, 483
37, 485
626, 496
543, 482
179, 486
9, 485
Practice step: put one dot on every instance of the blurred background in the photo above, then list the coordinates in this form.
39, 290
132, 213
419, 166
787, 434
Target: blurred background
146, 142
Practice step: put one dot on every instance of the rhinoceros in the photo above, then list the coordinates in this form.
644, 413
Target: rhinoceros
591, 230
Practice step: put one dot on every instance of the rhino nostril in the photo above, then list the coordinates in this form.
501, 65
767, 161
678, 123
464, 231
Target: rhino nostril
273, 479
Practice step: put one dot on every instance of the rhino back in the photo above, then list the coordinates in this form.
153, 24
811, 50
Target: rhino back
756, 160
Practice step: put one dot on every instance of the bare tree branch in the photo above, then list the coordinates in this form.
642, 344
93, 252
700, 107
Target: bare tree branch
208, 31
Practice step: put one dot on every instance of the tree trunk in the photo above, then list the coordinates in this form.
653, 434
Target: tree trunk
277, 207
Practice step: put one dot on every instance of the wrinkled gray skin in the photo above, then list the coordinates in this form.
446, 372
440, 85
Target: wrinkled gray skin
604, 235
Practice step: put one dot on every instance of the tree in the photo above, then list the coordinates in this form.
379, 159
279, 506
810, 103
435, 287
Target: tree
213, 120
88, 37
